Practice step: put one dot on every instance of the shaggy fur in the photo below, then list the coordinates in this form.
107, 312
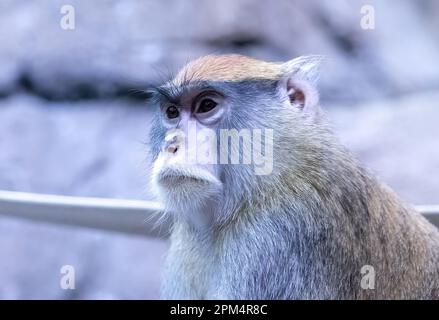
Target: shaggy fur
305, 230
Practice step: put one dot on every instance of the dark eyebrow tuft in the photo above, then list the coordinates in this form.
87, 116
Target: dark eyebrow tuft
156, 93
173, 93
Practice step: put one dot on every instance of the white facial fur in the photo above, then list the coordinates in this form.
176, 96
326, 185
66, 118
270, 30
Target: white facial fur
187, 188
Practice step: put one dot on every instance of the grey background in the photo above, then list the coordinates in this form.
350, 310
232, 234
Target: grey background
72, 123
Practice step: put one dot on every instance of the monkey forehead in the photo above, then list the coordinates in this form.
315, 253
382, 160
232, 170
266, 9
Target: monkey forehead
227, 68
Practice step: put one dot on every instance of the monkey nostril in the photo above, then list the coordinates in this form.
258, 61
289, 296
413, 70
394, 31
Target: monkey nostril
172, 149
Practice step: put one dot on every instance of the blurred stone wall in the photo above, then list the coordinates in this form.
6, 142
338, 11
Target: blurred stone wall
118, 45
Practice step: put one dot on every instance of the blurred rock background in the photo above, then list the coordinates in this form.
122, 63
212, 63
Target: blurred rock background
72, 122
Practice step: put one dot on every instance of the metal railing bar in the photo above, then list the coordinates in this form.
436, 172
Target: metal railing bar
126, 216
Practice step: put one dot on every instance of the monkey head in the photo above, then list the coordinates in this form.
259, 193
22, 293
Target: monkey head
227, 127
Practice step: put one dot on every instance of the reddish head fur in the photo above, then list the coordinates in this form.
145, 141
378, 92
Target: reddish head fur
231, 67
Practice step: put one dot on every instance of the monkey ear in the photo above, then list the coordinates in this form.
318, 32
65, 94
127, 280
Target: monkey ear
299, 81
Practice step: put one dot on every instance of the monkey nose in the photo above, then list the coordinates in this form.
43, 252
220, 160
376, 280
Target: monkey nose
173, 145
173, 148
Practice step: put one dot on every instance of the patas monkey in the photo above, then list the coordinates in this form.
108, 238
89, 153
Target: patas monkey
308, 226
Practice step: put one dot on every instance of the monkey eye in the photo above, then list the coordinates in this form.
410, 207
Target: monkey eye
172, 112
206, 105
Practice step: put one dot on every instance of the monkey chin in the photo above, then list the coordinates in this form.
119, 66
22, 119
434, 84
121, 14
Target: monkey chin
186, 188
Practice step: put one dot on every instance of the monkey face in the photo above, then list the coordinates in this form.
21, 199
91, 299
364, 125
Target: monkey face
212, 136
203, 144
185, 173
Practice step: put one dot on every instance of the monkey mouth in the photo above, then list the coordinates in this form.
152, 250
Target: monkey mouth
173, 180
179, 176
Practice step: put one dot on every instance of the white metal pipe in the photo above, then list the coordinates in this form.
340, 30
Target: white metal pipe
127, 216
431, 212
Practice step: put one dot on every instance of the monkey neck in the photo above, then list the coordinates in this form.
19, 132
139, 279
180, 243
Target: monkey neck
316, 189
201, 216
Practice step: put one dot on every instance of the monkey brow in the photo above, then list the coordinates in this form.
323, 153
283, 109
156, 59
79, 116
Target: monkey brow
173, 92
